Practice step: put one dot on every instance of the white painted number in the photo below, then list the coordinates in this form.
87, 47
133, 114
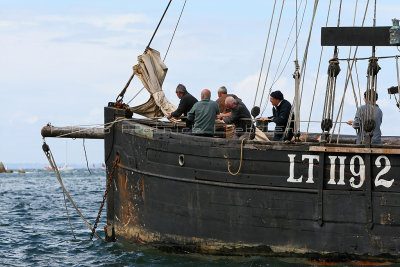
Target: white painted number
360, 173
385, 170
333, 170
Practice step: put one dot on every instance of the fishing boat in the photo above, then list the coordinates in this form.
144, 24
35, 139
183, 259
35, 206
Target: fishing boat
317, 195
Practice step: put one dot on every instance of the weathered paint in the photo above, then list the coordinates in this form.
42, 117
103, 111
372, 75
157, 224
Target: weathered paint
341, 203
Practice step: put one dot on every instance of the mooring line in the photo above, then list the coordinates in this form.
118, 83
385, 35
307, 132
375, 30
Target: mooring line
50, 158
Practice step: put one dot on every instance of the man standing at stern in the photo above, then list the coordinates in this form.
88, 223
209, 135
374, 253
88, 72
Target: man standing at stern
368, 114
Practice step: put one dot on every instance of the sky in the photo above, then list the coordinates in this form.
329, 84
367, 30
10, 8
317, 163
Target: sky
63, 61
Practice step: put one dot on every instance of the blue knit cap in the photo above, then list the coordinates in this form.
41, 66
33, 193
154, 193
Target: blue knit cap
277, 95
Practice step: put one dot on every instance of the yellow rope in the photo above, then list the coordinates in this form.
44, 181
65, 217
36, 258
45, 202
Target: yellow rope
241, 159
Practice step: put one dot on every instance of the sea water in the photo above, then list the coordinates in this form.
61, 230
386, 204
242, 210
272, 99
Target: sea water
34, 228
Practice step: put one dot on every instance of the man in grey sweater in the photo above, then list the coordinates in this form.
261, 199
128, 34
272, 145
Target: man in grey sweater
203, 114
369, 111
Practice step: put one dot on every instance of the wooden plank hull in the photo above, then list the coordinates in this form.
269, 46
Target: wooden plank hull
174, 191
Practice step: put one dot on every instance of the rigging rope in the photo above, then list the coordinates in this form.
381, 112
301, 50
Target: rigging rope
265, 51
330, 91
350, 71
120, 97
84, 149
296, 76
275, 79
176, 26
316, 79
272, 52
352, 82
166, 53
398, 80
358, 82
302, 75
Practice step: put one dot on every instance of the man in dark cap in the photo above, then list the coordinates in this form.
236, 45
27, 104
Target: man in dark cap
280, 116
185, 105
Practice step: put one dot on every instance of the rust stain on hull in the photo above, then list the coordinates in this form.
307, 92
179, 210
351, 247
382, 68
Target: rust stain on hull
128, 215
201, 245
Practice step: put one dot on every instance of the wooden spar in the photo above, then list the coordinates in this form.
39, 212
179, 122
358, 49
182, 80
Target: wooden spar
355, 36
73, 132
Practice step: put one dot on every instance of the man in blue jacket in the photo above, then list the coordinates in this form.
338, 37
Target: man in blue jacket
280, 116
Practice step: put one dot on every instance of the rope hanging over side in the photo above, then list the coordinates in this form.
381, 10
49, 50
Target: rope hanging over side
241, 159
84, 149
110, 178
50, 158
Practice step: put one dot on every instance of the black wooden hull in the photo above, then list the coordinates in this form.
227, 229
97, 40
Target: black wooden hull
174, 191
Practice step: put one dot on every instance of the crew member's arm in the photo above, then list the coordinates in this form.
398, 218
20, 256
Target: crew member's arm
183, 105
234, 116
267, 118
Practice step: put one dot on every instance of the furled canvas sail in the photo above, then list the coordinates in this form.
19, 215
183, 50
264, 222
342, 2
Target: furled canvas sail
152, 71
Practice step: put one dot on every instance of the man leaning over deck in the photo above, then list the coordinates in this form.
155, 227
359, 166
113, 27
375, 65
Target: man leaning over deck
377, 114
203, 114
240, 116
222, 95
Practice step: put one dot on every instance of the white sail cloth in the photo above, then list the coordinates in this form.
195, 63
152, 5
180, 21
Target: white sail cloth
152, 71
260, 136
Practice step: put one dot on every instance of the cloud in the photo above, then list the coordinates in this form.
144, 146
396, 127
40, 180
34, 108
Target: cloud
112, 22
15, 24
22, 118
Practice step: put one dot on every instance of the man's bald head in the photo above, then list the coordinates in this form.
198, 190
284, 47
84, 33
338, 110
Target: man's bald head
205, 94
230, 102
